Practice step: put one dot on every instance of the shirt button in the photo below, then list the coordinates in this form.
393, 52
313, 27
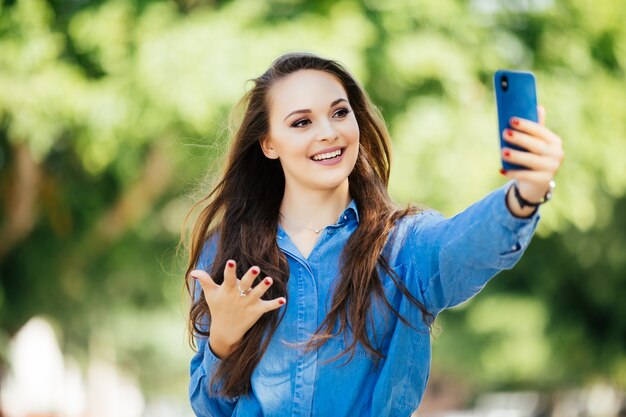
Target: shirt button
345, 217
331, 231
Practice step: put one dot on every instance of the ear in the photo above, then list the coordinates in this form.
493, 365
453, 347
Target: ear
268, 149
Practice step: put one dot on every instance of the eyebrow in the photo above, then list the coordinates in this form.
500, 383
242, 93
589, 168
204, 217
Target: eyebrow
339, 100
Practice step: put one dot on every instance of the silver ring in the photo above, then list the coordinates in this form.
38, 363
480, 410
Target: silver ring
243, 293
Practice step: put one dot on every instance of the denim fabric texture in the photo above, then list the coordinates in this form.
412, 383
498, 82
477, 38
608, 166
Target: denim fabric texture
443, 262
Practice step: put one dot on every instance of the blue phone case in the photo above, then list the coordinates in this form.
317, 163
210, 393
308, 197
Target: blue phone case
516, 96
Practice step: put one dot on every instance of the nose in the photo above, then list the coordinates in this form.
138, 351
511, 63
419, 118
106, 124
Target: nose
326, 131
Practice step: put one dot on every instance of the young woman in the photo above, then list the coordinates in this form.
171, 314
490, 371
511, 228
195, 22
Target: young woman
313, 295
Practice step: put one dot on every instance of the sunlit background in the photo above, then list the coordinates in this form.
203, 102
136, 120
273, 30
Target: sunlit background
114, 113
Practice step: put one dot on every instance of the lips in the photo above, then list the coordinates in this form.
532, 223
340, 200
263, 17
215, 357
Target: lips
327, 154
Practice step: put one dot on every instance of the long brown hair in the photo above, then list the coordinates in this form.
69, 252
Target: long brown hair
241, 212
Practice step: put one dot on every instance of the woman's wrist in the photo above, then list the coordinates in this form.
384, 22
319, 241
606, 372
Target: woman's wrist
220, 349
514, 207
220, 346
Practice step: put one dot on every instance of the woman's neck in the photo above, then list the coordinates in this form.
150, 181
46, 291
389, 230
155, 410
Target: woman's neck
314, 208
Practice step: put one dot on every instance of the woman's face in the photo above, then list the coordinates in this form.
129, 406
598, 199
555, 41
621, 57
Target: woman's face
313, 130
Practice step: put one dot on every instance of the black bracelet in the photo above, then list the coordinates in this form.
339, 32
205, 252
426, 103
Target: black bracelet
525, 203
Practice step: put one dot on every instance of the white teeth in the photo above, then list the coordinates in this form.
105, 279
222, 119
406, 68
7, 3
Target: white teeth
328, 155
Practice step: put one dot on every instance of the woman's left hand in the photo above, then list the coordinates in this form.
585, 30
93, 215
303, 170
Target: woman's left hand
543, 159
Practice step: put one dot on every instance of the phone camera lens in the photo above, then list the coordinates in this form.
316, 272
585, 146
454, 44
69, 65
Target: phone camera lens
504, 82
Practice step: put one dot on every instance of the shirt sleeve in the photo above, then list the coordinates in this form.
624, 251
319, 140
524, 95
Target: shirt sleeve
205, 399
461, 254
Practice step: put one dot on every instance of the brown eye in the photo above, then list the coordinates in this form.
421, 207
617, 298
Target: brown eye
341, 113
301, 123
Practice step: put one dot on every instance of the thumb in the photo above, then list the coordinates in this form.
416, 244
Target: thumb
204, 279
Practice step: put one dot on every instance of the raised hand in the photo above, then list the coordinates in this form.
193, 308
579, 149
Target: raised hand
234, 306
543, 159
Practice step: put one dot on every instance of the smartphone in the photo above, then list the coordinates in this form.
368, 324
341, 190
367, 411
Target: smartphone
516, 96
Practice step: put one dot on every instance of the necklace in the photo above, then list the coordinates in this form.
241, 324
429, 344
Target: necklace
316, 231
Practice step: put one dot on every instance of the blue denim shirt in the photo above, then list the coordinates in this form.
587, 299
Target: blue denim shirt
442, 262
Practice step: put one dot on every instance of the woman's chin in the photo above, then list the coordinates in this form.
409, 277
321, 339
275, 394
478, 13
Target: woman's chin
330, 184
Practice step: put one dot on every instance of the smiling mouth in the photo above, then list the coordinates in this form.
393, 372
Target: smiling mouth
329, 155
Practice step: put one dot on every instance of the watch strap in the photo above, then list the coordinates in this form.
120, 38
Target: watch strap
525, 203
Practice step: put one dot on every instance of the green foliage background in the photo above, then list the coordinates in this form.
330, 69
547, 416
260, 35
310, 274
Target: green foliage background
114, 113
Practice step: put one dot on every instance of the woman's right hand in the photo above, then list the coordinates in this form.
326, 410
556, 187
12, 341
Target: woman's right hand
232, 313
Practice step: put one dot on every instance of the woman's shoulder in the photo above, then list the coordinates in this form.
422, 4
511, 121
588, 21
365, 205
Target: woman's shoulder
208, 251
411, 228
419, 218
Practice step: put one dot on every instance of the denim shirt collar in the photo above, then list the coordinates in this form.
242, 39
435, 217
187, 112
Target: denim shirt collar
351, 212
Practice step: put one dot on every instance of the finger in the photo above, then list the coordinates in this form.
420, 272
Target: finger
535, 129
261, 288
248, 279
534, 145
542, 115
205, 280
230, 274
273, 304
536, 177
530, 143
529, 160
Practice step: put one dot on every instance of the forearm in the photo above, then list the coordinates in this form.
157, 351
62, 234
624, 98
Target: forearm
470, 248
204, 396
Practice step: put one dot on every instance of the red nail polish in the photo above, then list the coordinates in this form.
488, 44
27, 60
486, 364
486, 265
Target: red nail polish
515, 121
508, 132
281, 302
230, 264
267, 281
507, 152
256, 270
502, 171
